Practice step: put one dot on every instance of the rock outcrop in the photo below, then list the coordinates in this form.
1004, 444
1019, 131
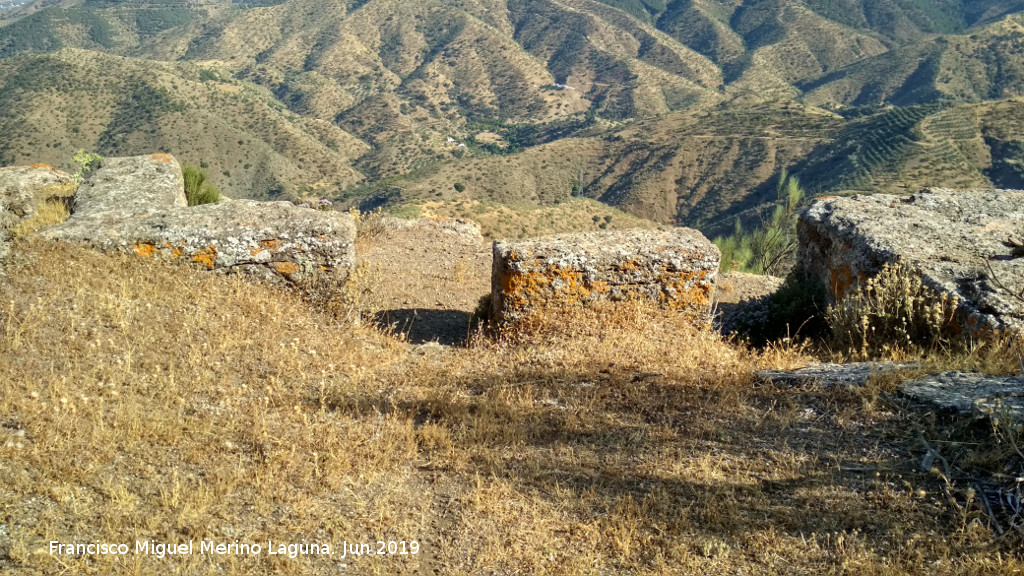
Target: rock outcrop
137, 205
961, 242
20, 187
676, 268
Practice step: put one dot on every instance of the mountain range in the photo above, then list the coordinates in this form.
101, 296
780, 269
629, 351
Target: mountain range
683, 111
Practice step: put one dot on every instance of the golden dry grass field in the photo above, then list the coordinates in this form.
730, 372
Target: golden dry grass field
145, 402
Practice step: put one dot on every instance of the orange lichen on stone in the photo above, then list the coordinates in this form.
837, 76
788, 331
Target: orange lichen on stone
553, 285
145, 250
175, 251
629, 265
161, 157
271, 246
287, 268
682, 290
207, 257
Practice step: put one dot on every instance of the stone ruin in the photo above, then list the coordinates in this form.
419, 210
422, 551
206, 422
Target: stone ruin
137, 205
676, 268
963, 243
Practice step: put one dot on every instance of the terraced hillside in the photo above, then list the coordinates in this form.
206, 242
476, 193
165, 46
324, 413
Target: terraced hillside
678, 111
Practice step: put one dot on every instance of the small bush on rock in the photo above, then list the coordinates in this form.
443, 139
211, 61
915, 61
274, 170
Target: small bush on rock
197, 189
890, 313
86, 162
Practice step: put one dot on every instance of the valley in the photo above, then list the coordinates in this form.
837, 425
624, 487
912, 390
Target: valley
679, 112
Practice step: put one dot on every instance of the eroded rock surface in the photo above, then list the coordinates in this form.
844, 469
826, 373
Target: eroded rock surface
676, 268
969, 393
959, 241
137, 205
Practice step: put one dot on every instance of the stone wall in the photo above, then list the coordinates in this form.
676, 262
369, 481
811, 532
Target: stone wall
675, 268
137, 205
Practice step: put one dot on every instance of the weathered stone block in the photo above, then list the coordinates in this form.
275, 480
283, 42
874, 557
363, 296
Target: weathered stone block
676, 268
137, 205
959, 241
264, 238
19, 188
132, 185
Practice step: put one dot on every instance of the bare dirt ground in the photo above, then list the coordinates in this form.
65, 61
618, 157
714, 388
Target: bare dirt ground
425, 277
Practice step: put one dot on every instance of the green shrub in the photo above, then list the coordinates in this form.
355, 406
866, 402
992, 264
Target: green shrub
460, 187
86, 163
197, 189
891, 313
771, 248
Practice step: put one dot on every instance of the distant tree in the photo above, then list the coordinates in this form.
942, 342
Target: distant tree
460, 187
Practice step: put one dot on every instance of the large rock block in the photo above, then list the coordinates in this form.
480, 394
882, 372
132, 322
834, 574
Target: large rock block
959, 241
268, 239
676, 268
271, 240
132, 185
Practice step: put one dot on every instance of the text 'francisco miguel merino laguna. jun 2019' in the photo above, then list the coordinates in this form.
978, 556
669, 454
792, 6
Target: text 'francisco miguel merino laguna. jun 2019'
236, 548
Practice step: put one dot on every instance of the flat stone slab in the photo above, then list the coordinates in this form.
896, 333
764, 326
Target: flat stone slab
969, 393
831, 375
676, 268
950, 237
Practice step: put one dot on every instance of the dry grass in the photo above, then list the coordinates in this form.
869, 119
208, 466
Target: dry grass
142, 401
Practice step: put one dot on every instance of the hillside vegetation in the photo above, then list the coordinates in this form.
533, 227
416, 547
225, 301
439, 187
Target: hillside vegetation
681, 111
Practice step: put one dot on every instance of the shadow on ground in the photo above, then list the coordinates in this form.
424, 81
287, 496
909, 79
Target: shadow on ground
695, 463
422, 325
